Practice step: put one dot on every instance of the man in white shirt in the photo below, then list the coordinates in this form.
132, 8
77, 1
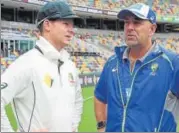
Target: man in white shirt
43, 84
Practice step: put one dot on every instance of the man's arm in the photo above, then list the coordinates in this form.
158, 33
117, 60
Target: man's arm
100, 100
175, 81
78, 106
100, 112
16, 79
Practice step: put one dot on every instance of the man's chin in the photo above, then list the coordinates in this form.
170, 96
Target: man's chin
132, 44
66, 42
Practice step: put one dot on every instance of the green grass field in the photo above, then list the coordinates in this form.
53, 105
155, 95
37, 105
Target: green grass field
88, 123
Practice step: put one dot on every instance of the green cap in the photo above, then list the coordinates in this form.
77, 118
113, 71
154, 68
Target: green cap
55, 10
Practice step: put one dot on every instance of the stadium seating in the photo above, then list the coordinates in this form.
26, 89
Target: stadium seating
97, 41
108, 41
88, 64
18, 32
161, 7
165, 7
90, 42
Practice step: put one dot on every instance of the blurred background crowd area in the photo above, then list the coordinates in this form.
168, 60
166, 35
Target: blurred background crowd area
96, 35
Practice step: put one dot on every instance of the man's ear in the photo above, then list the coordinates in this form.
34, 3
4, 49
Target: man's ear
152, 29
46, 25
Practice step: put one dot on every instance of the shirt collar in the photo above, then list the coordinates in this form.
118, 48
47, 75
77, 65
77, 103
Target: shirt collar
126, 53
51, 52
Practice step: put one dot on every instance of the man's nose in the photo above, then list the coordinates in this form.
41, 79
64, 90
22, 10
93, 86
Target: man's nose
130, 26
72, 30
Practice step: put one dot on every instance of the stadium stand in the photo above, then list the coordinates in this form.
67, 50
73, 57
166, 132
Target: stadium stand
96, 34
92, 35
102, 43
161, 7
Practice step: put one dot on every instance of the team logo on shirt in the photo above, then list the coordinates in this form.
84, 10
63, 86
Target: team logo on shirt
154, 68
3, 85
114, 70
71, 78
48, 80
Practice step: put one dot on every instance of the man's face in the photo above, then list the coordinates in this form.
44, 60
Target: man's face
137, 31
61, 31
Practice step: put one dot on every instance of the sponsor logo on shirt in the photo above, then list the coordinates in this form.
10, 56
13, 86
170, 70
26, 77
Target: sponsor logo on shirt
3, 85
128, 93
114, 69
48, 80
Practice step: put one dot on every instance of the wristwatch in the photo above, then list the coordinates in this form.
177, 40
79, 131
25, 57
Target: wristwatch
101, 124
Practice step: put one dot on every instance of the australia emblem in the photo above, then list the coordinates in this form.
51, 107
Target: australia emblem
154, 68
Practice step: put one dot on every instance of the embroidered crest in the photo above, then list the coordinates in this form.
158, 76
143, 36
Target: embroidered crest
154, 68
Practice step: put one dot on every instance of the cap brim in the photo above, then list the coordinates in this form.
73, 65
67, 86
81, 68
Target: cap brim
71, 16
57, 16
127, 12
65, 17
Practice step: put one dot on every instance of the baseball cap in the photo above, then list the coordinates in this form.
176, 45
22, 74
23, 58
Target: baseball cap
55, 10
140, 10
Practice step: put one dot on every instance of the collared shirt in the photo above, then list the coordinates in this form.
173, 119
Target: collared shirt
50, 52
135, 100
54, 99
126, 53
126, 56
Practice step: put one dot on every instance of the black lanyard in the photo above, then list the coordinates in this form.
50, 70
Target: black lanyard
37, 47
60, 63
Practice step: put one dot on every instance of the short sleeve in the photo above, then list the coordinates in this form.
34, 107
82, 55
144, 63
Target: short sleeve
175, 81
101, 87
